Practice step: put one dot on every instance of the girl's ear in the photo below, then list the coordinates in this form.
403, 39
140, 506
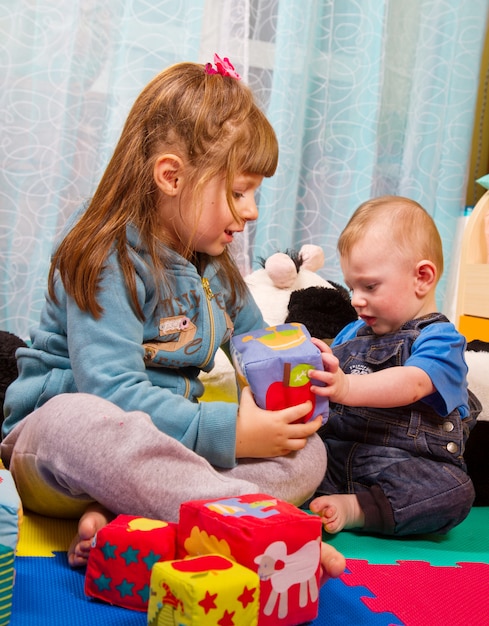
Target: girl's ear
426, 274
168, 173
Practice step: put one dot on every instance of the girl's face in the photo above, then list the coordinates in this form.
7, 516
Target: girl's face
215, 225
384, 287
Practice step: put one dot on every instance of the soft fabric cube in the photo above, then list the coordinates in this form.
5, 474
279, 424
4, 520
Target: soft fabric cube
10, 511
6, 583
10, 520
273, 538
122, 557
274, 362
203, 591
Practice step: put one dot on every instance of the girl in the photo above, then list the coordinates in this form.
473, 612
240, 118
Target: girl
104, 417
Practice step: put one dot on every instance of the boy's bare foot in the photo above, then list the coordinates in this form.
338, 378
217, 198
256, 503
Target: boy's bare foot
95, 517
339, 511
333, 563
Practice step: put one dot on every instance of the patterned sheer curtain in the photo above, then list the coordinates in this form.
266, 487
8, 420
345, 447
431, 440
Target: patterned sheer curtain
366, 98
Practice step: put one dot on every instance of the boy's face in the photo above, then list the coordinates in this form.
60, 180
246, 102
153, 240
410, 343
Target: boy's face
383, 285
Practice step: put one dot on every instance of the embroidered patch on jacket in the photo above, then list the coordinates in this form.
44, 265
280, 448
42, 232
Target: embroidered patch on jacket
359, 368
176, 333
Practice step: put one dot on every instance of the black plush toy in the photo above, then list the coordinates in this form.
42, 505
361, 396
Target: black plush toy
323, 311
8, 365
323, 307
476, 450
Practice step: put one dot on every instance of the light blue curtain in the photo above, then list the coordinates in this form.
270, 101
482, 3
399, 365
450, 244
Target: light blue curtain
370, 98
366, 97
69, 74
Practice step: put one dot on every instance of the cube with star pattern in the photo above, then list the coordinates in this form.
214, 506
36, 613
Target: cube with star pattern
122, 557
205, 590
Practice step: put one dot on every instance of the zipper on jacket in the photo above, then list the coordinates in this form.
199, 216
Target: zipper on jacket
207, 288
186, 393
209, 295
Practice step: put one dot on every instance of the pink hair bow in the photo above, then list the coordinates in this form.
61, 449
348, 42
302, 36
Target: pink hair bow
224, 67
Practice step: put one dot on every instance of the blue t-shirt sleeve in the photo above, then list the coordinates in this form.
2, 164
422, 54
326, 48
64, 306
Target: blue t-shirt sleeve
439, 351
348, 332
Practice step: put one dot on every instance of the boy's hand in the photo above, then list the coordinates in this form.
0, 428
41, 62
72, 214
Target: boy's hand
336, 381
261, 433
391, 387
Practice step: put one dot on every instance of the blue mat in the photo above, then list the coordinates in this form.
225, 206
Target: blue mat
406, 582
49, 593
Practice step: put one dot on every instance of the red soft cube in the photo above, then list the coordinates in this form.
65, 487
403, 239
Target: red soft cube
275, 539
122, 557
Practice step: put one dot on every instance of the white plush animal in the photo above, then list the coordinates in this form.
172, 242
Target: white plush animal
272, 285
478, 363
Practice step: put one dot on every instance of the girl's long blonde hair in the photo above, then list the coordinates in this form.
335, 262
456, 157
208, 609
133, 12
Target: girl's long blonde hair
216, 124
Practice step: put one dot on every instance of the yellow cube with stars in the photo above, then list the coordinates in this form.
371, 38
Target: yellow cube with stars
205, 590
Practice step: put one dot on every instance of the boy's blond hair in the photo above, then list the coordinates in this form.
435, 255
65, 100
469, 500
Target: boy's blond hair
409, 228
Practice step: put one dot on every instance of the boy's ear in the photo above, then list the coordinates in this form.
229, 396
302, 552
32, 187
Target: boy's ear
168, 173
426, 275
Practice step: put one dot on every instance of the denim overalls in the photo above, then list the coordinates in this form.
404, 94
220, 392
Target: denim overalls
405, 464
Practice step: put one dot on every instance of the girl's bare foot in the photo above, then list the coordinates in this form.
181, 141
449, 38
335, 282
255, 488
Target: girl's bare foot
339, 511
333, 563
95, 517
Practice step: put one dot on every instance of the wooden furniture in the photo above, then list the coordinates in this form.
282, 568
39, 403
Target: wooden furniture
472, 312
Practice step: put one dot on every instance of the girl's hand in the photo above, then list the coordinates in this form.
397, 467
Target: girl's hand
336, 381
262, 434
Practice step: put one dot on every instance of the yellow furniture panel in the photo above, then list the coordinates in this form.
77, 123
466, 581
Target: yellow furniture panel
474, 327
473, 285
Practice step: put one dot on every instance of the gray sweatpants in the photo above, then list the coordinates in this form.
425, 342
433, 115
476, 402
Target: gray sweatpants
78, 448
